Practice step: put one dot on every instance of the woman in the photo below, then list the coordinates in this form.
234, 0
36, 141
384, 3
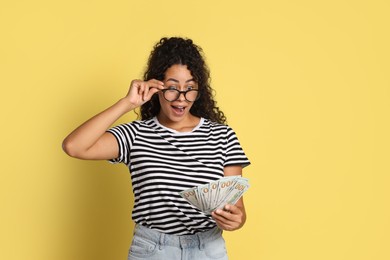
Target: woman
180, 142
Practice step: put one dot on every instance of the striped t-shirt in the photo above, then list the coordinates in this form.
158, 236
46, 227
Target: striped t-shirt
163, 162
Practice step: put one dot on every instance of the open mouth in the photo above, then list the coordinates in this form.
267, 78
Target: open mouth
178, 109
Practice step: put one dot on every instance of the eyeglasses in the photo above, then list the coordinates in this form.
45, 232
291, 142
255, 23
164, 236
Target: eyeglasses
171, 95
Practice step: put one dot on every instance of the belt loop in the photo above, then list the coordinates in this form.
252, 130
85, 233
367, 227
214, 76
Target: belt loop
162, 241
201, 246
135, 228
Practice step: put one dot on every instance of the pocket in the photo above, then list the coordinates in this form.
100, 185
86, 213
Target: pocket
216, 249
142, 248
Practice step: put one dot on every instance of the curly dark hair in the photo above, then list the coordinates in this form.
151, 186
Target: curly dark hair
173, 51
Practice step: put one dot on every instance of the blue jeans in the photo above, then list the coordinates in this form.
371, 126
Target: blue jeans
153, 245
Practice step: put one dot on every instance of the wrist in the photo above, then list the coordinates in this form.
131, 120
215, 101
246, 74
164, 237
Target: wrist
125, 105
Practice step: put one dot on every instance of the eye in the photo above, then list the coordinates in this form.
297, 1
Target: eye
172, 87
190, 87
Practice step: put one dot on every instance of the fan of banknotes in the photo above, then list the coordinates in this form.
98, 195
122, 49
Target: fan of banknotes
216, 194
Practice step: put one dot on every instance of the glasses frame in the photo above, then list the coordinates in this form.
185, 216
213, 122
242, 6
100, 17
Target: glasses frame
181, 92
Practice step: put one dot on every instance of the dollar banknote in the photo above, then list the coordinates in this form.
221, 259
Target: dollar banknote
216, 194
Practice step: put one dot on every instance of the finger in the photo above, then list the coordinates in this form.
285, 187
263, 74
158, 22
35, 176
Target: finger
232, 209
224, 214
145, 91
135, 82
227, 220
224, 223
220, 218
152, 86
134, 85
154, 83
151, 92
140, 87
228, 217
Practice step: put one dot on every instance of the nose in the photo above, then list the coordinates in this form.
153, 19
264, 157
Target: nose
181, 96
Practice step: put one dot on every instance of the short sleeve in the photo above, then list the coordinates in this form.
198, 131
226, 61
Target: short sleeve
234, 152
125, 135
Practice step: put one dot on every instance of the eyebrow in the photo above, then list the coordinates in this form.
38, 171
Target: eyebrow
175, 80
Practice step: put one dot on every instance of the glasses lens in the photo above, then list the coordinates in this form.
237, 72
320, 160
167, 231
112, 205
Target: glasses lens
171, 94
191, 95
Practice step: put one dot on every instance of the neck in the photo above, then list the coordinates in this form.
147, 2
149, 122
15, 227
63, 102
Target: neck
185, 125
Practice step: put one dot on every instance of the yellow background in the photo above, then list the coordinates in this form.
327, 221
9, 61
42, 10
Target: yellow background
305, 84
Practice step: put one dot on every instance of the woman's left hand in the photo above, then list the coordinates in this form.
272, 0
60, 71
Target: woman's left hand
230, 217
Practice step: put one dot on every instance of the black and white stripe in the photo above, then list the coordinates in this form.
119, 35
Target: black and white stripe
164, 162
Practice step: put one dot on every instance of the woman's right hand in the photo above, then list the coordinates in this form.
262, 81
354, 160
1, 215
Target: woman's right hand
91, 141
141, 92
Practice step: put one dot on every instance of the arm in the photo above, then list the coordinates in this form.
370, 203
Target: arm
232, 217
91, 141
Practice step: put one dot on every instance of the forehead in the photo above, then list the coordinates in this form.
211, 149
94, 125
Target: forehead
179, 73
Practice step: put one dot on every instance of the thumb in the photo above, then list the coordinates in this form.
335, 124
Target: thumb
232, 209
151, 92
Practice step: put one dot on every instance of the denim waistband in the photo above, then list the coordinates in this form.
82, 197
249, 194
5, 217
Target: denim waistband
185, 241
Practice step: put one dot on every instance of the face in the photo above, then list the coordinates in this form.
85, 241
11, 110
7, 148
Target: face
177, 77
